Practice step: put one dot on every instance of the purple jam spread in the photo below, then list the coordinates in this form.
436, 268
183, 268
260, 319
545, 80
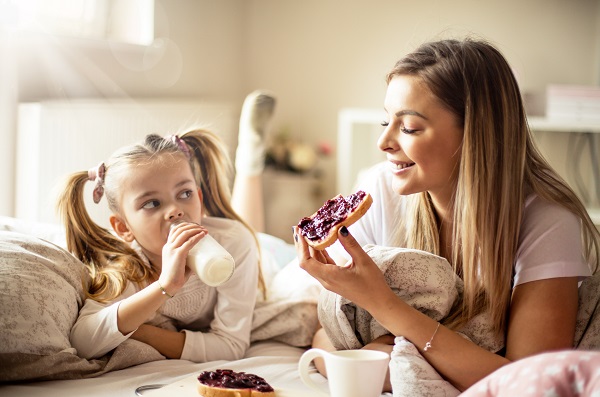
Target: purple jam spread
227, 378
333, 212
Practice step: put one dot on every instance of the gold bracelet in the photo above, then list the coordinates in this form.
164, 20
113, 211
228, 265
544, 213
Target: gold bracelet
428, 344
164, 292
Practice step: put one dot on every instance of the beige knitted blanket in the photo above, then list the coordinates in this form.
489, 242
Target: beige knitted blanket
427, 283
423, 280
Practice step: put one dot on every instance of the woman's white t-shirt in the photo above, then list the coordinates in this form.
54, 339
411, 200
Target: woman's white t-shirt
549, 240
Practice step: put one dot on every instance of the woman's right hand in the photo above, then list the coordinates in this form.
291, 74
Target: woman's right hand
182, 238
360, 280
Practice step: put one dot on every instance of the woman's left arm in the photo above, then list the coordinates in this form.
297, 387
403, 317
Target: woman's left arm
549, 264
542, 317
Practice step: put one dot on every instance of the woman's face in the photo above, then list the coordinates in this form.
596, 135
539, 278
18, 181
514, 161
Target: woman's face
422, 140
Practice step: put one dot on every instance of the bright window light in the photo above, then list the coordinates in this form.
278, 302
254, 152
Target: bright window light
130, 21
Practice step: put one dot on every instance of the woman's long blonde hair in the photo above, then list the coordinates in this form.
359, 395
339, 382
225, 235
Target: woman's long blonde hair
499, 166
110, 261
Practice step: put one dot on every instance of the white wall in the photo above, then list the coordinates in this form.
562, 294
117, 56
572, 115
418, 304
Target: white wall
319, 56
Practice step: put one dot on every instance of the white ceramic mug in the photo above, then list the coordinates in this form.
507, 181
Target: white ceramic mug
350, 373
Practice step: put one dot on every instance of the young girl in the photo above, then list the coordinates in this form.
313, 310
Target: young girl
465, 181
139, 285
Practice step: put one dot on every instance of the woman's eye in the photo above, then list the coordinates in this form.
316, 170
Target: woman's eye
385, 123
407, 131
151, 204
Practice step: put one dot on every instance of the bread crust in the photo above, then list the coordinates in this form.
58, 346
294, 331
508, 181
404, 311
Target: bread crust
352, 217
210, 391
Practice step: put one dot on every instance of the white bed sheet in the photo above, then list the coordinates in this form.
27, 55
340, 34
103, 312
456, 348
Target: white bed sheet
274, 361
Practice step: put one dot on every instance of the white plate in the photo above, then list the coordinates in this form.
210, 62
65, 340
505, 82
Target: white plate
188, 387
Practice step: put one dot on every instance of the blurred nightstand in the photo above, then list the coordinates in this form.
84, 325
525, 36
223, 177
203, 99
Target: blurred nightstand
288, 198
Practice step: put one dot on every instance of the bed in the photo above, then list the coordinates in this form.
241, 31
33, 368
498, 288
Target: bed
274, 361
39, 301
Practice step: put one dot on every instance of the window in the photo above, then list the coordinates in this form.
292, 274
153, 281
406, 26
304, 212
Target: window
130, 21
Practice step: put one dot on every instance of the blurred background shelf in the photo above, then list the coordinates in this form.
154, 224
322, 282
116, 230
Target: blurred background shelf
586, 138
563, 125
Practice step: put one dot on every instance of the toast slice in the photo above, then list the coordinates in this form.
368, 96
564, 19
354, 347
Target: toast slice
320, 230
227, 383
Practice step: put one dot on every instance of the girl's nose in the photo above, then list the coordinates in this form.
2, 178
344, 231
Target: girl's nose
175, 214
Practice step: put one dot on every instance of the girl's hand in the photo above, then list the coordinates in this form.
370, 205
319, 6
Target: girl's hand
359, 280
182, 238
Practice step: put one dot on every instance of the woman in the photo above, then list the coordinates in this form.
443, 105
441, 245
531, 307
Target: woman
464, 181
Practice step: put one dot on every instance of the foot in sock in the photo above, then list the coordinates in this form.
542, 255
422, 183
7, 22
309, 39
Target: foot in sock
257, 113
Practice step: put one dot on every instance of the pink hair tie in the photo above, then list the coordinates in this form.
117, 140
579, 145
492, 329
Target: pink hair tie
97, 175
180, 144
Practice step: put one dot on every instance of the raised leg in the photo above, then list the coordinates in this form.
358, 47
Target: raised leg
255, 120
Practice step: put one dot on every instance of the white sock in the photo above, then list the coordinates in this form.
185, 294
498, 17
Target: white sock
257, 113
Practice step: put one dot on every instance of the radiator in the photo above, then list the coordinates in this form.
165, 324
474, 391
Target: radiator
57, 138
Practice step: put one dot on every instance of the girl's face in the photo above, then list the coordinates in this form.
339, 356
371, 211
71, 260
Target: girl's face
153, 195
422, 140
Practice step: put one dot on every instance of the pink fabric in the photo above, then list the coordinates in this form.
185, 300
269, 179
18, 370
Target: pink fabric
565, 374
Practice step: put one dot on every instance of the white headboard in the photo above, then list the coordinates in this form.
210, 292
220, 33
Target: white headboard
57, 138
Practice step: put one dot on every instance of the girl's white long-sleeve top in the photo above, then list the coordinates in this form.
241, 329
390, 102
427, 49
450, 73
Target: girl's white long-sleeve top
216, 320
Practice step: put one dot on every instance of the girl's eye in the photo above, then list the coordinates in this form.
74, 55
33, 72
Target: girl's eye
186, 194
407, 131
385, 123
151, 204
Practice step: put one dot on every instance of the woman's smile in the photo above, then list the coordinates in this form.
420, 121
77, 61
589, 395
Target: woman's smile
400, 167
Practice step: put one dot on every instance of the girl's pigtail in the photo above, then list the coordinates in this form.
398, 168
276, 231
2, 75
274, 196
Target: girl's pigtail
213, 169
107, 258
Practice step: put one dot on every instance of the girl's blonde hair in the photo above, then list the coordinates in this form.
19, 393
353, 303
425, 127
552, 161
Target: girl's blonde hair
499, 166
110, 261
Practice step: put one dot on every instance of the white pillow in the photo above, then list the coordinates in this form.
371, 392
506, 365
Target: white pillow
46, 231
